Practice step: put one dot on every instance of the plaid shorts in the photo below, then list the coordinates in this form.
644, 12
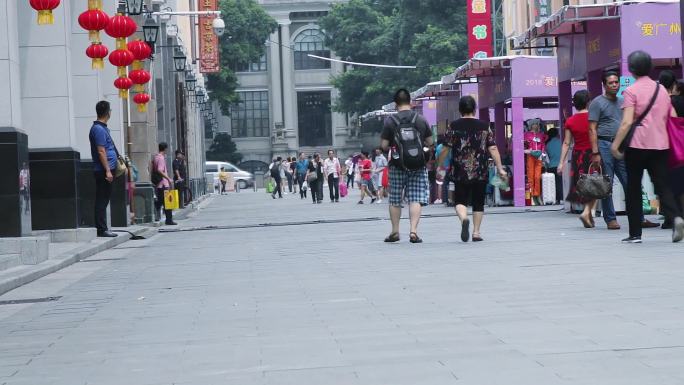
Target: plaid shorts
413, 184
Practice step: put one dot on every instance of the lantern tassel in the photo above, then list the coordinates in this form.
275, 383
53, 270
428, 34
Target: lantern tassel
94, 36
142, 107
123, 94
98, 64
139, 88
94, 4
121, 43
121, 71
45, 17
137, 65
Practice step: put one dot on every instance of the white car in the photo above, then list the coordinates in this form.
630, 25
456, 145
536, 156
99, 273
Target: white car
243, 179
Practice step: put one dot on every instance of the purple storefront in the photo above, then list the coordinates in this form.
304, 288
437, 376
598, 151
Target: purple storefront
591, 39
515, 88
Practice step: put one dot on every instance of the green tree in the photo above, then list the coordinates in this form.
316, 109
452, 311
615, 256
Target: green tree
223, 149
430, 34
247, 28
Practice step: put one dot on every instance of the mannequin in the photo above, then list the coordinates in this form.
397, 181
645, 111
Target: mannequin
535, 146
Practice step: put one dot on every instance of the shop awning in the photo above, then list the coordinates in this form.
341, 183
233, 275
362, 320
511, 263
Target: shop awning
480, 67
568, 20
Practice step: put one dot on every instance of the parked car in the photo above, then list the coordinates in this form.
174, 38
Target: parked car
243, 179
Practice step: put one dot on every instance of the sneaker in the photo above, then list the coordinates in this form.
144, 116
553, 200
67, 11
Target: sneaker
632, 240
170, 223
613, 225
360, 202
437, 202
678, 230
379, 201
373, 200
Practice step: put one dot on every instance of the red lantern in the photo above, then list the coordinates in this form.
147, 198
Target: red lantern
97, 52
142, 99
139, 78
121, 58
94, 21
120, 27
141, 50
44, 8
123, 84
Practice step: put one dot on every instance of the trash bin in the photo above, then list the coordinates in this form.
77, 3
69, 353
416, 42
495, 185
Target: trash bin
259, 180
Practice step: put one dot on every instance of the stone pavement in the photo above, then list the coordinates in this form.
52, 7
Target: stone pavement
541, 301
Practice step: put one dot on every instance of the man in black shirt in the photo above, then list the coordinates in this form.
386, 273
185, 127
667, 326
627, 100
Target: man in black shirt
179, 174
410, 183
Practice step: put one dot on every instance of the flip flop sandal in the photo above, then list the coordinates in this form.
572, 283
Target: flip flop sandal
414, 238
394, 237
477, 238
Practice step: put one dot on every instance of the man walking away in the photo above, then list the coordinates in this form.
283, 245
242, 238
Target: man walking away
366, 185
605, 115
302, 169
407, 134
179, 173
104, 159
275, 174
331, 168
162, 182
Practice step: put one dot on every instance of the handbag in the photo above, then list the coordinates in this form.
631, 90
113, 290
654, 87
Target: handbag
171, 200
313, 176
630, 134
121, 166
675, 131
594, 185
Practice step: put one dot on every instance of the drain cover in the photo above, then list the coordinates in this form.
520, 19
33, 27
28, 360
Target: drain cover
29, 300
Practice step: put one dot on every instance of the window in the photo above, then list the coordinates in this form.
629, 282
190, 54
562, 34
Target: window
210, 168
310, 41
259, 66
249, 117
315, 118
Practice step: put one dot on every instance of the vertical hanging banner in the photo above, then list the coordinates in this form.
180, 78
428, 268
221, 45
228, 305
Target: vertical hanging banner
208, 41
479, 28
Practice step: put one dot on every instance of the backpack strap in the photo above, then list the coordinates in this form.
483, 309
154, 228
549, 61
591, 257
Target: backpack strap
394, 118
415, 117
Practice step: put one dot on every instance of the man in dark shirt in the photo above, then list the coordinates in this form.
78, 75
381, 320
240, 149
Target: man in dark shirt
179, 174
104, 158
411, 184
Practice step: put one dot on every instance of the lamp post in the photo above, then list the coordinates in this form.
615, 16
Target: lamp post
150, 31
179, 60
134, 7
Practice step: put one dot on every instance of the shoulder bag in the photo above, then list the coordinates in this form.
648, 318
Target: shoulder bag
121, 166
630, 134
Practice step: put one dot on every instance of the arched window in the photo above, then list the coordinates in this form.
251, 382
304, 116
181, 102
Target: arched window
310, 41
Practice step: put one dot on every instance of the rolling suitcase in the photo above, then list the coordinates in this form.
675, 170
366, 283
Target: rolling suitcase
548, 188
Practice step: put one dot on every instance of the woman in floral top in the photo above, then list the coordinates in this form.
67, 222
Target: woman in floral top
471, 143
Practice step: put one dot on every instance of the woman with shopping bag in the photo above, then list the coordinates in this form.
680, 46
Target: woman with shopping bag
162, 183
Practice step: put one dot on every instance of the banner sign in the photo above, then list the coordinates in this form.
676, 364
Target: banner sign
208, 41
479, 28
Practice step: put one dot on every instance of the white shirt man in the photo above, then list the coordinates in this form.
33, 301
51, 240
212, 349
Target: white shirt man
331, 168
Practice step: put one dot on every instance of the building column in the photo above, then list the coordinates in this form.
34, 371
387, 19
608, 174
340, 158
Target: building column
518, 151
276, 97
48, 117
15, 199
500, 126
290, 96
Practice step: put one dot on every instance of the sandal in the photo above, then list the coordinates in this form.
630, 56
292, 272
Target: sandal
586, 222
414, 238
394, 237
465, 230
477, 237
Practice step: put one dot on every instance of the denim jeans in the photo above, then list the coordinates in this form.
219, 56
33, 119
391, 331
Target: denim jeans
613, 168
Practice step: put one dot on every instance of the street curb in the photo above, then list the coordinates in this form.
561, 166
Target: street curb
193, 206
30, 273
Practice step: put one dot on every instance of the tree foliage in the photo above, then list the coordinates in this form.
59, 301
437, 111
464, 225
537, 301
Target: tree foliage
223, 149
430, 34
247, 28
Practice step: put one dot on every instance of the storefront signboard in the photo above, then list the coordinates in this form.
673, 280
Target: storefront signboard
652, 27
479, 28
208, 41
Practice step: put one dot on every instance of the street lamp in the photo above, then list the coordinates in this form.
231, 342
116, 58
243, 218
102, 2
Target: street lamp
190, 81
199, 96
135, 7
150, 31
179, 60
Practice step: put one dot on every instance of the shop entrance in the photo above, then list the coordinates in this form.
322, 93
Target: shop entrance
315, 118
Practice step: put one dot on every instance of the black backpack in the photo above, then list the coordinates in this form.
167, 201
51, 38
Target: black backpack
409, 143
275, 170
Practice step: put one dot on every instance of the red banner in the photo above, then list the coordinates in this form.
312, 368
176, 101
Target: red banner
479, 28
208, 41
